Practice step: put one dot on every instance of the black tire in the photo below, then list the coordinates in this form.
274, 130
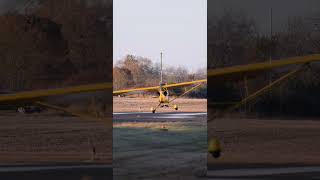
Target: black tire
216, 154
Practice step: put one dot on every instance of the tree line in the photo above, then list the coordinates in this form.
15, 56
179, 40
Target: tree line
51, 43
235, 39
135, 71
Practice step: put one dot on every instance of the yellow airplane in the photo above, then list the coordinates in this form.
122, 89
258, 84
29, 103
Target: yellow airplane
239, 71
163, 91
24, 99
244, 71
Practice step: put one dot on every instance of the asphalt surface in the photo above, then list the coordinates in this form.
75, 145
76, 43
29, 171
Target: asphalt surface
159, 117
277, 172
69, 171
137, 156
141, 150
131, 158
227, 171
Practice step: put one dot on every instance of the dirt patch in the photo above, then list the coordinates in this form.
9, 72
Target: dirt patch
143, 104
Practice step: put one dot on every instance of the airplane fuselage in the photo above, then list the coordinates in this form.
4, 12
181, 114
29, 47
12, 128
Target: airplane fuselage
163, 97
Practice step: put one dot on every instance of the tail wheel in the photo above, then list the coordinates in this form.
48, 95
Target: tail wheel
175, 107
153, 110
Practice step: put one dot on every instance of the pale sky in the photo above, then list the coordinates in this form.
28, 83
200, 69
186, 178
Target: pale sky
176, 27
260, 11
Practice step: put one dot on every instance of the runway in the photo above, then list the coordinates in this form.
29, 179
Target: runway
265, 172
136, 150
65, 171
159, 117
141, 150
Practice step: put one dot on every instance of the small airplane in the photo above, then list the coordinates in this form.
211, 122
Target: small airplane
38, 96
163, 91
25, 100
243, 72
239, 71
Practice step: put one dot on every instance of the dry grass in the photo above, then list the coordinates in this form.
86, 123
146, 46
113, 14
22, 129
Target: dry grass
47, 137
175, 126
247, 141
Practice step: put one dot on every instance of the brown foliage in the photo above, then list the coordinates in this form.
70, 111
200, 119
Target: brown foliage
233, 39
133, 71
56, 43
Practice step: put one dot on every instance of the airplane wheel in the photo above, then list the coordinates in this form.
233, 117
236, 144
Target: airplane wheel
216, 154
153, 110
214, 148
21, 110
175, 107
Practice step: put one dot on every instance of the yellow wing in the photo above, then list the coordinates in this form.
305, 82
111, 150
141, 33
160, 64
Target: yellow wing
249, 68
36, 94
155, 88
235, 70
221, 72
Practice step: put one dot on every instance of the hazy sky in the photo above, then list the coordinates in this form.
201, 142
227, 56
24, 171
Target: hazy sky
259, 11
6, 5
176, 27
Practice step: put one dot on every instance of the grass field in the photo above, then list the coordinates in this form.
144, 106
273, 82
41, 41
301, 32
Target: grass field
267, 141
50, 137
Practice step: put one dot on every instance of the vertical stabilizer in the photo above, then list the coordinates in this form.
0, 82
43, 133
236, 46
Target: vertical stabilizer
161, 73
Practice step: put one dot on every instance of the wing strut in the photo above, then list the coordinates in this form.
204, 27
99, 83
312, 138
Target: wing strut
81, 115
214, 144
189, 90
186, 92
260, 92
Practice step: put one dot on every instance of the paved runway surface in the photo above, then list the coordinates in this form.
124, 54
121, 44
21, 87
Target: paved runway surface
158, 117
265, 172
56, 171
150, 154
225, 172
141, 150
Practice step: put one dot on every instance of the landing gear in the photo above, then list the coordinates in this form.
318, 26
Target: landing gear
21, 110
153, 110
29, 109
214, 148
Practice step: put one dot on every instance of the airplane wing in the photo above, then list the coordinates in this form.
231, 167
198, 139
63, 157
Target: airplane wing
156, 88
256, 67
36, 94
220, 72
